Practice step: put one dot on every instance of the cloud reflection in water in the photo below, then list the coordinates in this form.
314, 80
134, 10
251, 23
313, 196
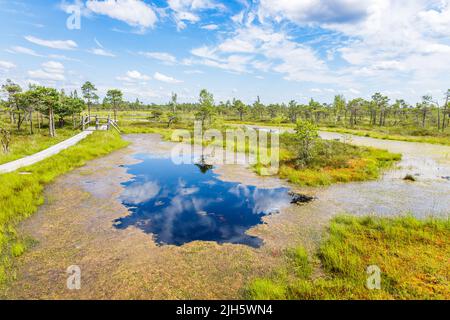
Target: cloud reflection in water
179, 204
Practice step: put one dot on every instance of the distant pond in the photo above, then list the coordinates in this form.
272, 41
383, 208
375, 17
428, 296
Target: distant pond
179, 204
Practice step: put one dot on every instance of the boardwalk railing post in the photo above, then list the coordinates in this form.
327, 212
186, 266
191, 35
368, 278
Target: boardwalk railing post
83, 124
109, 122
97, 123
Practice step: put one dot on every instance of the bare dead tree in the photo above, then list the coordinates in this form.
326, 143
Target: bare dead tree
5, 138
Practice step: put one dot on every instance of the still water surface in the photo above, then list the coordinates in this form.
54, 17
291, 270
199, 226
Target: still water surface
179, 204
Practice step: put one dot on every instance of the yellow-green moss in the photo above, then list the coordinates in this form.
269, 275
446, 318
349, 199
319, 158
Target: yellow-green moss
412, 255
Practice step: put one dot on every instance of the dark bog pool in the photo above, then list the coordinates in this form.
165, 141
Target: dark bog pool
184, 203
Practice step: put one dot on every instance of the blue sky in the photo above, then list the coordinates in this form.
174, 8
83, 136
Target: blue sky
277, 49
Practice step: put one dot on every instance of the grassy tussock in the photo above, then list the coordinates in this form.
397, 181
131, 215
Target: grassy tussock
413, 256
20, 195
333, 162
368, 167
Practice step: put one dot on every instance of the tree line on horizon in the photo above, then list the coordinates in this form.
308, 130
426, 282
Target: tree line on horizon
50, 103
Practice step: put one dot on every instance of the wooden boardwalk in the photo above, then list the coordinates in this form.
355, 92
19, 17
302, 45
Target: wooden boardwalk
107, 124
37, 157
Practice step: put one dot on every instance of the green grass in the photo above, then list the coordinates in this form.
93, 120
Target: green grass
268, 123
407, 136
398, 133
147, 128
20, 195
332, 162
24, 144
368, 166
413, 256
384, 133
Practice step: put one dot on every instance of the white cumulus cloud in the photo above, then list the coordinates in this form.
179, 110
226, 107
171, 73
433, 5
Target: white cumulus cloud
135, 13
167, 79
6, 65
210, 27
167, 58
23, 50
133, 76
315, 11
101, 52
54, 44
51, 71
187, 10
